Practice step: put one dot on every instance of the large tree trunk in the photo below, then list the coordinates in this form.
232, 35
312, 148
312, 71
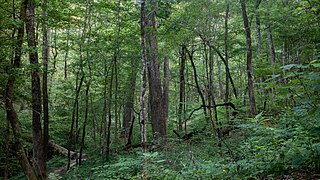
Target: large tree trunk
38, 150
12, 116
158, 121
249, 59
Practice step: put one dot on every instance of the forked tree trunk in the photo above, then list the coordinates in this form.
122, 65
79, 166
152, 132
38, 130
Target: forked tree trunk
38, 148
249, 59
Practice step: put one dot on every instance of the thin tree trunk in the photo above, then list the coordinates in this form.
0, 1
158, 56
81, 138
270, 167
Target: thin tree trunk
220, 92
212, 98
67, 52
88, 84
45, 60
182, 86
104, 131
224, 61
73, 120
109, 110
38, 150
258, 32
117, 56
271, 46
196, 80
85, 122
129, 102
249, 59
143, 78
226, 56
166, 72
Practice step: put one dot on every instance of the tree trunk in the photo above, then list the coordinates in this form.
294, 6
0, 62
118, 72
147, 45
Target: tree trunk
82, 146
67, 52
109, 110
212, 98
38, 147
158, 121
103, 127
226, 56
45, 60
258, 32
196, 81
143, 77
71, 133
129, 102
166, 72
182, 86
12, 116
271, 46
85, 122
117, 54
249, 59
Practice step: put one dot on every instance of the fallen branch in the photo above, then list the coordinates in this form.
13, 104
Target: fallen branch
217, 105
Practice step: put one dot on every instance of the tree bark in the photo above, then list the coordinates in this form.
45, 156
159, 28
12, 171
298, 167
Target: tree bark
45, 60
82, 146
166, 72
109, 109
226, 56
71, 133
12, 116
196, 80
212, 98
38, 147
271, 46
249, 59
143, 112
182, 86
129, 102
158, 121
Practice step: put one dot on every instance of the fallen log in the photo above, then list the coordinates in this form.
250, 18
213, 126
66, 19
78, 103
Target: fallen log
64, 151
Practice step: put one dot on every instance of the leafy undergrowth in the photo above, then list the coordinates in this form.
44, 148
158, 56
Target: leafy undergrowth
257, 149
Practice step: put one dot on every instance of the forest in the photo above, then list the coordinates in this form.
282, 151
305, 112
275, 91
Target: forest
159, 89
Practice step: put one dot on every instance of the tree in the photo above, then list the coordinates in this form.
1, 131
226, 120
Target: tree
249, 59
12, 116
158, 120
37, 137
45, 60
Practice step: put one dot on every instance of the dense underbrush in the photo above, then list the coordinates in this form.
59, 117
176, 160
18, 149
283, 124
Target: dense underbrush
260, 151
